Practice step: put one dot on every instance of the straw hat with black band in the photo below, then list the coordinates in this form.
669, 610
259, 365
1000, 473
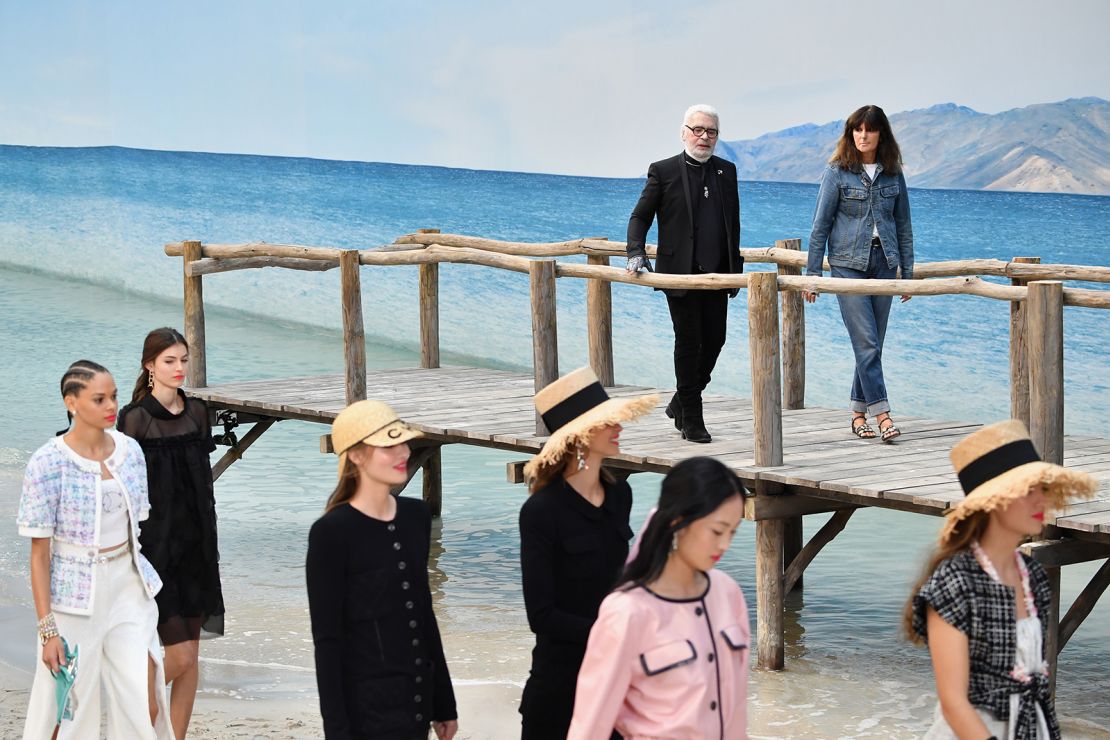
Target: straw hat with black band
371, 422
999, 464
573, 408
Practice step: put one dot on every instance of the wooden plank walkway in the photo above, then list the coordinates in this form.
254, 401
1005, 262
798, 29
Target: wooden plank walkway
493, 408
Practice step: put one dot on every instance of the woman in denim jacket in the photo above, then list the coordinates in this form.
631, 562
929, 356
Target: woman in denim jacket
863, 217
84, 493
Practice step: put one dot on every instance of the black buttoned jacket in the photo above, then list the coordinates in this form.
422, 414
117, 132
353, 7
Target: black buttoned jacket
666, 196
379, 659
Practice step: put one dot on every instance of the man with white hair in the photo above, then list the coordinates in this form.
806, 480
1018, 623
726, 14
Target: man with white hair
695, 198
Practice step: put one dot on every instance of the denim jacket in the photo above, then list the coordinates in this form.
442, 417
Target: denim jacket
849, 206
61, 500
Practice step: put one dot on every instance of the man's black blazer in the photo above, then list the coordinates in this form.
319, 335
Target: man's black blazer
667, 194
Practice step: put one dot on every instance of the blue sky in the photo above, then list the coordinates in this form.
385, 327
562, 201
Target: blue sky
576, 87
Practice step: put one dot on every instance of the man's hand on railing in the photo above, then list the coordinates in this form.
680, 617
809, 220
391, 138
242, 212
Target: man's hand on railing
637, 263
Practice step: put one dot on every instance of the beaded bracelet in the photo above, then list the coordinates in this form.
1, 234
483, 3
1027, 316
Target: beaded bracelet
48, 628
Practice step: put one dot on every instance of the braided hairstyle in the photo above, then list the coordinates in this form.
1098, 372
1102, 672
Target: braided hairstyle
75, 380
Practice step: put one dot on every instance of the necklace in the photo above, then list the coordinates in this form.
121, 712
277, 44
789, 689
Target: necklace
988, 567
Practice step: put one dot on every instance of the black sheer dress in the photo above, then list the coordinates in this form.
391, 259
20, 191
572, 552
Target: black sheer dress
179, 537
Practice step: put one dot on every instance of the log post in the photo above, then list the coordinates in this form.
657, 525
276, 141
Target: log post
770, 653
429, 311
196, 372
763, 340
793, 539
545, 340
354, 339
1019, 365
599, 323
793, 336
1044, 340
429, 315
1052, 638
433, 482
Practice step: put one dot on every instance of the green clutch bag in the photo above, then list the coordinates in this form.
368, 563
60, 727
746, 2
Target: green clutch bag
63, 683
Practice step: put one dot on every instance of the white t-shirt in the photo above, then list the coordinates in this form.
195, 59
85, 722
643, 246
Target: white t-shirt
870, 169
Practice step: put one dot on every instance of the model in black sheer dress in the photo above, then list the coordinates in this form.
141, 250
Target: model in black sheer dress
179, 537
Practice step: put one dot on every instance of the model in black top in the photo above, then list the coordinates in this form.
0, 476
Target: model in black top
179, 537
694, 196
571, 553
380, 667
574, 536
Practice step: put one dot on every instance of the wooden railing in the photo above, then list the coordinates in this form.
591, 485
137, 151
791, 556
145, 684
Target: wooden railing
1037, 297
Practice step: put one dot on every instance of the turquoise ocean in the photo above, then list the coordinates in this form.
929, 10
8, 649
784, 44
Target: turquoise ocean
83, 274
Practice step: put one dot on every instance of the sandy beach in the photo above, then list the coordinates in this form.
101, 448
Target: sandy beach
489, 711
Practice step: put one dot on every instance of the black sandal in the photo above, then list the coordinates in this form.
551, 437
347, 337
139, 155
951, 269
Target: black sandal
890, 431
864, 430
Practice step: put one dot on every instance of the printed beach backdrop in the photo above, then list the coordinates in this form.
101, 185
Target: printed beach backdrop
82, 274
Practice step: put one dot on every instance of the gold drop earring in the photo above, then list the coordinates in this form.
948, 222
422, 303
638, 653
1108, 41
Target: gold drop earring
582, 460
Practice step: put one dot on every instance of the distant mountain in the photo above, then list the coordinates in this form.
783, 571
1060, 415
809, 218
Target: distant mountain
1054, 147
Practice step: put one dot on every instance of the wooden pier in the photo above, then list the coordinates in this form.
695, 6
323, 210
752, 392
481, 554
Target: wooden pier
799, 461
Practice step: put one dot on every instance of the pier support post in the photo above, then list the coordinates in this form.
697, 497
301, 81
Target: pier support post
763, 341
1019, 364
793, 336
196, 372
793, 383
354, 339
793, 539
770, 644
1052, 638
545, 342
433, 482
599, 323
1044, 334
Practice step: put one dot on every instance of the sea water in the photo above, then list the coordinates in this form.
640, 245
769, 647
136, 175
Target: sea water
82, 274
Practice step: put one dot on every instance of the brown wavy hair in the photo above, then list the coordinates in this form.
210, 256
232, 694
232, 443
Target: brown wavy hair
966, 530
347, 486
871, 117
156, 342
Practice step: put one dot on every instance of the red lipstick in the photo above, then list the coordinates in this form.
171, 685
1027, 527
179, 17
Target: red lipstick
1039, 517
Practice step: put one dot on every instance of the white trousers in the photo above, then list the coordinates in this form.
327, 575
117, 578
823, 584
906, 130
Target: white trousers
115, 642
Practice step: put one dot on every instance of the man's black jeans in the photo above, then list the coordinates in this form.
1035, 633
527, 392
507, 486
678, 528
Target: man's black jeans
699, 334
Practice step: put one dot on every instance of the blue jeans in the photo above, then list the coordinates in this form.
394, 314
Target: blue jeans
865, 318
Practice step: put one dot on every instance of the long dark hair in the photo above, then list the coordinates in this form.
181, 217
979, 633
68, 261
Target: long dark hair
75, 379
156, 342
872, 118
692, 490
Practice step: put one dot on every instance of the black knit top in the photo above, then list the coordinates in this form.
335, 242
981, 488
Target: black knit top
379, 659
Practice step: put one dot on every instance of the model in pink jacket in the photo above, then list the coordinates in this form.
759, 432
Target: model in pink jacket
668, 655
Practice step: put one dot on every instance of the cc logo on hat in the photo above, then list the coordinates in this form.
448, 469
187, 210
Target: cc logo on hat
395, 433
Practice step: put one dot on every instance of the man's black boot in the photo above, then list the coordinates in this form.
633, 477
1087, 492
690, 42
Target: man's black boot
693, 425
674, 411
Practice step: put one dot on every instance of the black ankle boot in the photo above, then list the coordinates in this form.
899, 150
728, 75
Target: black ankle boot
674, 411
693, 425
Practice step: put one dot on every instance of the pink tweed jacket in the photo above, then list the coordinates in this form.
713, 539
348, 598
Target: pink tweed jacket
658, 667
